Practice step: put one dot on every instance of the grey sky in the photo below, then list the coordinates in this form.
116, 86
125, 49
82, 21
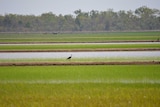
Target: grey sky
37, 7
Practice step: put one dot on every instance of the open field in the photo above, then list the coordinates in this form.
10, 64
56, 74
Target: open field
103, 59
82, 37
80, 95
81, 61
40, 42
80, 73
79, 82
90, 86
78, 47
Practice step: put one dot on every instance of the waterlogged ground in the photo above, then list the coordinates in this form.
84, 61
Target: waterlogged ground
43, 55
77, 85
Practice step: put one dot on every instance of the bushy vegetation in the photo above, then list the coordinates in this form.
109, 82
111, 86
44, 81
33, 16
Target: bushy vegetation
142, 18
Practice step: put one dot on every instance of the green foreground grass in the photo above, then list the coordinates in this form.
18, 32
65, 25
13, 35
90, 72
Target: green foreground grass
90, 86
82, 37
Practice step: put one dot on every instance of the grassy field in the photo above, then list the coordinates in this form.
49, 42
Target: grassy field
77, 47
90, 86
82, 37
103, 59
77, 85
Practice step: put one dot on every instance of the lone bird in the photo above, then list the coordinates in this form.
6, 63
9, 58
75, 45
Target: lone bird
70, 57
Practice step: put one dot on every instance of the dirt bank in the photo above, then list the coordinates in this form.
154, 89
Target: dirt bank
78, 63
118, 41
86, 50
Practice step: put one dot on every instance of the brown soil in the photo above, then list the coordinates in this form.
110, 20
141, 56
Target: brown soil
86, 50
118, 41
78, 63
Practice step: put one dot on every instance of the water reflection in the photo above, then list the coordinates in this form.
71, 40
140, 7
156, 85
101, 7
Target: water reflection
24, 55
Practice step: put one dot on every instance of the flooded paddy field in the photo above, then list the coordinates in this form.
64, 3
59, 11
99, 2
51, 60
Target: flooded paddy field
92, 78
122, 54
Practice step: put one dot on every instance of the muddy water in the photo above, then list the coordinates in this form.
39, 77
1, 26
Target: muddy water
125, 54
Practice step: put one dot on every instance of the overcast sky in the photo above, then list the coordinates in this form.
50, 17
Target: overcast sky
37, 7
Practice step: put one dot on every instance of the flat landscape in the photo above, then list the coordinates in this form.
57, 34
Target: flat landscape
112, 85
79, 42
91, 82
79, 37
78, 47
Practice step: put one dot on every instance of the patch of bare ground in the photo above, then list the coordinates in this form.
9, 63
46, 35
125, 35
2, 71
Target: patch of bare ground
78, 63
118, 41
86, 50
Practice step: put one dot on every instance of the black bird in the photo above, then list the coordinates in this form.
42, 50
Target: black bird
70, 57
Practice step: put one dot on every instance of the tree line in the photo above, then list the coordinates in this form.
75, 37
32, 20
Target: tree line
143, 18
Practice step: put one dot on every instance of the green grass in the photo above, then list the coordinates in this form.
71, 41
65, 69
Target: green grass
80, 73
90, 86
83, 37
77, 46
80, 95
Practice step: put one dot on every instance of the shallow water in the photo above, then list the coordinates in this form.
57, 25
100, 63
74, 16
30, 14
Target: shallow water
124, 81
125, 54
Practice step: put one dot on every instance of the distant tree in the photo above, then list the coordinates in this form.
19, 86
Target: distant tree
143, 18
147, 17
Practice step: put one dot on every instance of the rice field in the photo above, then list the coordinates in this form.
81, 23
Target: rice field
11, 39
79, 85
95, 86
67, 47
79, 37
103, 59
